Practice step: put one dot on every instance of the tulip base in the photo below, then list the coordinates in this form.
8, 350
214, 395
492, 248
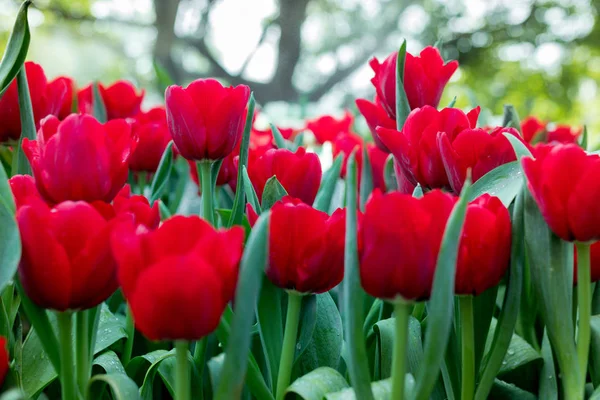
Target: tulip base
584, 301
467, 347
401, 316
292, 321
182, 371
65, 334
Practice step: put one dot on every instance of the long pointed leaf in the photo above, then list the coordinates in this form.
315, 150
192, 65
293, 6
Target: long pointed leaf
27, 123
325, 193
16, 49
161, 177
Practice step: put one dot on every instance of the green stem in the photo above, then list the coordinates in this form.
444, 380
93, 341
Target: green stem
130, 330
182, 373
292, 320
468, 347
584, 300
65, 333
204, 172
401, 315
82, 350
419, 310
199, 356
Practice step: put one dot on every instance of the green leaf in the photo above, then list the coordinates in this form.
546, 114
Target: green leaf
109, 361
510, 307
418, 191
110, 330
16, 49
121, 387
239, 203
353, 303
99, 109
163, 78
439, 44
511, 118
595, 349
161, 177
452, 103
583, 139
372, 317
317, 383
483, 309
366, 179
250, 192
10, 240
226, 214
402, 106
306, 327
389, 175
504, 182
249, 283
13, 394
508, 391
299, 139
272, 193
548, 388
21, 164
520, 149
325, 347
280, 141
382, 390
215, 167
328, 184
270, 327
441, 304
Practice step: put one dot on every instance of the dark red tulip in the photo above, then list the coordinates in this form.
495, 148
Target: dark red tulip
121, 99
375, 116
298, 172
138, 206
151, 129
206, 119
327, 127
399, 241
416, 147
46, 98
484, 252
178, 285
477, 150
425, 77
69, 246
79, 158
345, 143
563, 180
4, 359
310, 257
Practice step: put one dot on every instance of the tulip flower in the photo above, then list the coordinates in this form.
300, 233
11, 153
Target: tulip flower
4, 359
327, 127
535, 131
267, 135
345, 143
375, 115
47, 98
138, 206
151, 129
121, 99
178, 286
425, 77
206, 119
477, 150
416, 147
79, 158
532, 127
298, 172
69, 245
24, 190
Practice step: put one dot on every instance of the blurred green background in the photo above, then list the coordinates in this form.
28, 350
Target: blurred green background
308, 57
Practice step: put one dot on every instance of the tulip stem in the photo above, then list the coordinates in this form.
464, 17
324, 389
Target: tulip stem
65, 333
468, 347
199, 356
130, 331
292, 320
584, 300
401, 316
204, 172
82, 349
182, 372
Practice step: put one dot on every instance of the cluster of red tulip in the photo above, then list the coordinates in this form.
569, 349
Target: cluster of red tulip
465, 232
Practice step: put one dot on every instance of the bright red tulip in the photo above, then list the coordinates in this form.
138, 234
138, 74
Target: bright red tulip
206, 119
477, 150
178, 285
531, 127
138, 206
24, 190
416, 147
47, 98
564, 134
399, 241
310, 257
151, 129
375, 115
484, 253
425, 77
327, 127
79, 158
267, 134
563, 180
298, 172
121, 99
345, 143
69, 246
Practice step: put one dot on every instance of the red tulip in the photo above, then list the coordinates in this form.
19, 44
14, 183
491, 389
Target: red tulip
327, 127
377, 157
564, 134
4, 359
345, 143
425, 77
178, 285
532, 127
79, 158
399, 241
206, 119
138, 206
484, 252
310, 257
299, 173
416, 148
24, 190
375, 115
69, 246
267, 135
121, 99
477, 150
46, 98
563, 180
151, 129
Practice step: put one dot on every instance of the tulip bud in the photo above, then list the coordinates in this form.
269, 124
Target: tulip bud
327, 128
121, 100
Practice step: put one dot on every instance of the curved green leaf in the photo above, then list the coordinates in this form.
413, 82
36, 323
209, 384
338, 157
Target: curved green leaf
270, 327
418, 192
316, 384
520, 149
306, 328
382, 390
121, 387
21, 164
508, 391
389, 175
272, 193
328, 184
504, 182
280, 141
548, 388
109, 361
160, 178
366, 179
99, 108
511, 118
250, 192
402, 106
16, 48
10, 240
